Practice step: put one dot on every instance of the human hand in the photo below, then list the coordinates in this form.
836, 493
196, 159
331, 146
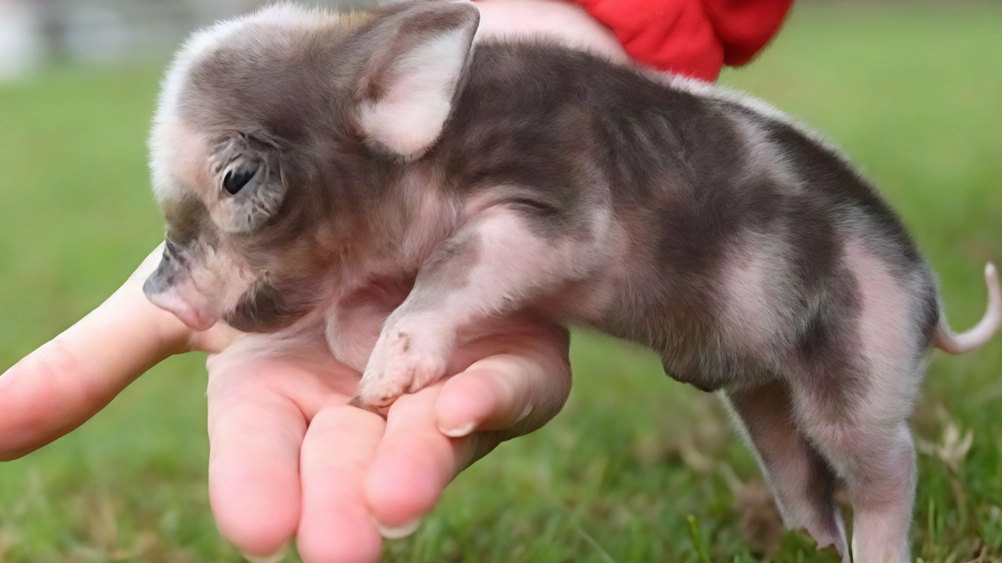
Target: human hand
279, 425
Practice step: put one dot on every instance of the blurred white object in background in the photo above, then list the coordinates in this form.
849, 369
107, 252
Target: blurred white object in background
34, 33
20, 45
96, 33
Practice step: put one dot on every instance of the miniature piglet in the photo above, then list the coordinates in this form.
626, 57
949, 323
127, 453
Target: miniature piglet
302, 156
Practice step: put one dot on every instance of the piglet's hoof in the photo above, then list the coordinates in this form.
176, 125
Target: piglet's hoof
360, 403
376, 394
399, 364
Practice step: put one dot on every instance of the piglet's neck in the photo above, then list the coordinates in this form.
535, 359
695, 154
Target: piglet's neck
397, 234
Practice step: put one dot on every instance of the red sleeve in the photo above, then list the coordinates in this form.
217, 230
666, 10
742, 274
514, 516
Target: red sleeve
691, 37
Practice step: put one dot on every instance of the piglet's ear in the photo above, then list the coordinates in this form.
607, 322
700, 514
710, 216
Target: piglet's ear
410, 85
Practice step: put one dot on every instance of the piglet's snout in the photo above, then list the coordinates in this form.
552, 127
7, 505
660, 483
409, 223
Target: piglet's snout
170, 288
192, 313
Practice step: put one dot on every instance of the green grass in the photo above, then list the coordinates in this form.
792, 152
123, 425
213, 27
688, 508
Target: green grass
636, 468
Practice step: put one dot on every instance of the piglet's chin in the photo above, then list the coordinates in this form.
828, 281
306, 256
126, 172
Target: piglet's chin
195, 316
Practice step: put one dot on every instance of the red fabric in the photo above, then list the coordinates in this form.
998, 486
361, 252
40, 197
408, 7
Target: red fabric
691, 37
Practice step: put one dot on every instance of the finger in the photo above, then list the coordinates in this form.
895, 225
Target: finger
255, 436
335, 523
412, 466
522, 382
515, 391
499, 393
66, 381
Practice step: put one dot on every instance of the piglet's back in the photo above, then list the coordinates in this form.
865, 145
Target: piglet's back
698, 182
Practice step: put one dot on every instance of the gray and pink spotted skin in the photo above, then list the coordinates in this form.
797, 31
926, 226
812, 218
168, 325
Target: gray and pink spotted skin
304, 160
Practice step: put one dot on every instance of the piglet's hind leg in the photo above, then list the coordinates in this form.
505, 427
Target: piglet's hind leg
496, 265
802, 482
869, 445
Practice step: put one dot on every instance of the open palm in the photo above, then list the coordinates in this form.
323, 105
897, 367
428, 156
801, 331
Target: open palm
288, 456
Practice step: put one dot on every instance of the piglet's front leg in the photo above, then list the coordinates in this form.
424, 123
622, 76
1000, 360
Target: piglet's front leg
496, 265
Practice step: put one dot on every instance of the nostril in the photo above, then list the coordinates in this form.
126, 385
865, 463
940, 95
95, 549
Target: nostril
239, 176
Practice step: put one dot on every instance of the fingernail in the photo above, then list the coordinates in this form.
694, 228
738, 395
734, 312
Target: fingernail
273, 558
525, 412
464, 430
398, 532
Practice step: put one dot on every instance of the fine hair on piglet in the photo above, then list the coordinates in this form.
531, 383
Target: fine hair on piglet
301, 156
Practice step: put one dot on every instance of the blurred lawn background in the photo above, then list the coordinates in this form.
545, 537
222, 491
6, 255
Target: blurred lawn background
912, 93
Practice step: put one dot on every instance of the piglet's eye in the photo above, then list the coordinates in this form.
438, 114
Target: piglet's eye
239, 176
